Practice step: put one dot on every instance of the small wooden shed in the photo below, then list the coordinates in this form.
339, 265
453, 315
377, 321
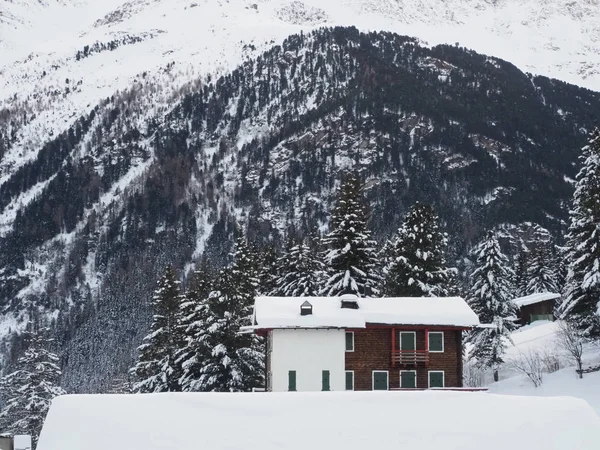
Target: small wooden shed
536, 307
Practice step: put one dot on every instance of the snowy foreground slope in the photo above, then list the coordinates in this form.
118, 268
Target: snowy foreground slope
540, 337
565, 382
290, 421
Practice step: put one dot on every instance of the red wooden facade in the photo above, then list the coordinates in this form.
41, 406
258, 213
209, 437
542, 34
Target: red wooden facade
377, 348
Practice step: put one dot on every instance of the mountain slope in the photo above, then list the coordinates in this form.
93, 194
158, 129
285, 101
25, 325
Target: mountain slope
61, 58
149, 178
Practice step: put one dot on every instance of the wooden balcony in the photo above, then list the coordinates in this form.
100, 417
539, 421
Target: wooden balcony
410, 357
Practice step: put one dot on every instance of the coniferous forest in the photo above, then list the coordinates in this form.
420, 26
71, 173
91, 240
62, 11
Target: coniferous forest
337, 162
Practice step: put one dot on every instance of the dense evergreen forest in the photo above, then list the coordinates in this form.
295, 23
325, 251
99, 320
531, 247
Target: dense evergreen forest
122, 196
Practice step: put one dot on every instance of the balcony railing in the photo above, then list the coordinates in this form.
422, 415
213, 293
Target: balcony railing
410, 357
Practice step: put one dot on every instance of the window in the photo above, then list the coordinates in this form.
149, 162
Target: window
380, 380
292, 380
407, 340
349, 341
436, 379
325, 380
408, 379
535, 317
349, 380
436, 341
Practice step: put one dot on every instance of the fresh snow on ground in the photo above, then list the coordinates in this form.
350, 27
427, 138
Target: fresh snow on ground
540, 337
319, 421
565, 382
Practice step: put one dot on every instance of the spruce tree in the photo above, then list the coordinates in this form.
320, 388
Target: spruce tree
541, 276
285, 265
157, 369
193, 318
121, 385
236, 360
417, 260
581, 306
560, 266
521, 271
268, 271
302, 271
350, 256
29, 390
490, 297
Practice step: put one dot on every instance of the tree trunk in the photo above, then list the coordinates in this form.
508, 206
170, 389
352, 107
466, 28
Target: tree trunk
496, 375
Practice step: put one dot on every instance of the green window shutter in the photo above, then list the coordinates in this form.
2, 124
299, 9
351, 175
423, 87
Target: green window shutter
407, 341
436, 379
380, 381
436, 342
349, 381
349, 341
408, 380
325, 380
292, 380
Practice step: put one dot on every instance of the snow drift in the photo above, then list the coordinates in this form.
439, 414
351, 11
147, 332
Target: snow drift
290, 421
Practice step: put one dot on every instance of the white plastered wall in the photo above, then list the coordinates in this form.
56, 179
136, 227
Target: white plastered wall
308, 352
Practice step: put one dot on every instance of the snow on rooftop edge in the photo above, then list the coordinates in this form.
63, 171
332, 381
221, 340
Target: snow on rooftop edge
284, 312
535, 298
319, 421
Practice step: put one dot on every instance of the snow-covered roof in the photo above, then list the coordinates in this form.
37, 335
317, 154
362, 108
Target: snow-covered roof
337, 420
284, 312
535, 298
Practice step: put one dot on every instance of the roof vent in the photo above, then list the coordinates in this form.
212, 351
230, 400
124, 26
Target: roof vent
349, 301
349, 304
305, 309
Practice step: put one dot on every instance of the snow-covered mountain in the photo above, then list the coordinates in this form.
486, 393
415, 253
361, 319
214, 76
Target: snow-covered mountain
40, 40
48, 76
135, 134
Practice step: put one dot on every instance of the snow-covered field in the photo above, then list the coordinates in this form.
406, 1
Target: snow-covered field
513, 414
541, 337
320, 421
565, 382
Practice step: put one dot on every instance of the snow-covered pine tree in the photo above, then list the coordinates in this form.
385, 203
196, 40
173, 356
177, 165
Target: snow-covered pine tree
559, 263
350, 256
192, 320
156, 369
236, 360
582, 301
540, 273
521, 272
121, 385
417, 257
302, 271
268, 270
285, 265
490, 297
29, 390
